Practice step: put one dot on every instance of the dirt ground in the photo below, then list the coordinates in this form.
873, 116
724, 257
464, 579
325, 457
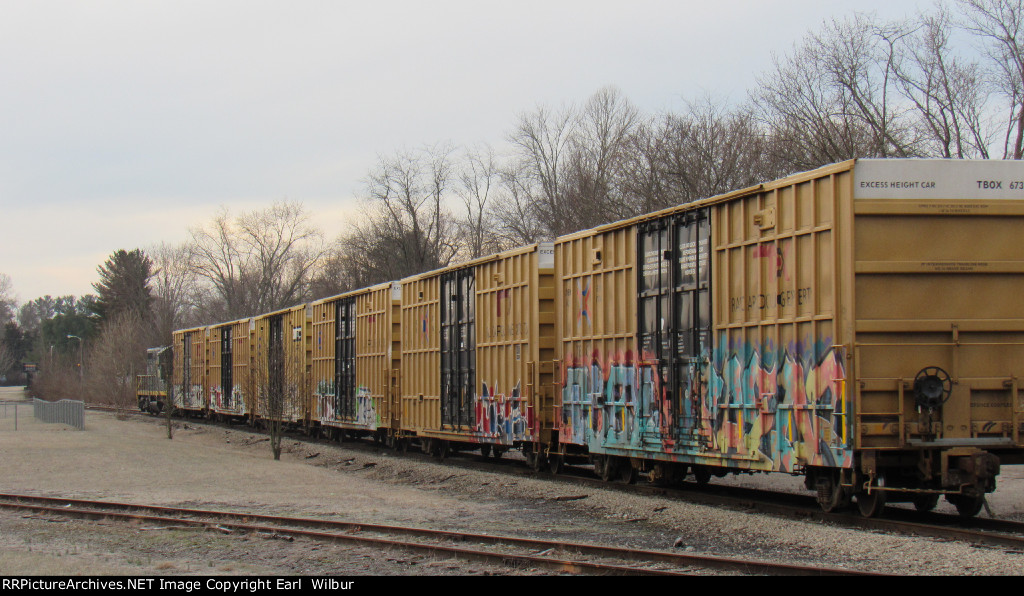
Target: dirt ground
232, 469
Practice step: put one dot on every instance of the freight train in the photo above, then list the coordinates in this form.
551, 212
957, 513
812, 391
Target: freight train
861, 324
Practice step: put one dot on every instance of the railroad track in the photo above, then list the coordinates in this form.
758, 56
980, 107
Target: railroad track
995, 533
556, 556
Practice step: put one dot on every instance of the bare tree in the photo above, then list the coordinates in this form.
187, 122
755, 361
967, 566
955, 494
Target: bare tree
1000, 26
407, 227
946, 90
258, 262
515, 211
542, 139
712, 149
832, 98
7, 360
117, 355
278, 380
647, 180
174, 292
479, 183
7, 299
601, 142
334, 276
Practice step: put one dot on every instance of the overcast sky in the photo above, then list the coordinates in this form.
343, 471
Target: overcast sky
122, 123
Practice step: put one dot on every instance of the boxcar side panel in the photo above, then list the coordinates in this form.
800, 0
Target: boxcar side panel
777, 396
280, 366
474, 340
603, 382
190, 369
421, 355
708, 334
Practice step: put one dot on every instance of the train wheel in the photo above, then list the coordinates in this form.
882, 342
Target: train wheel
539, 462
702, 475
485, 450
627, 473
444, 449
533, 458
555, 463
497, 452
831, 494
925, 502
870, 505
666, 474
967, 506
610, 469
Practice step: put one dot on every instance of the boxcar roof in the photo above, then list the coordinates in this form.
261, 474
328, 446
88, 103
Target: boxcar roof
722, 198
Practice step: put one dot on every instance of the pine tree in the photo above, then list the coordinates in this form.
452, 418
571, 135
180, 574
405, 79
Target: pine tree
123, 285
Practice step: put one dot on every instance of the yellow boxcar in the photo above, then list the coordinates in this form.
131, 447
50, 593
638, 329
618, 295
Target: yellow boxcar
229, 348
356, 351
861, 324
477, 353
190, 369
279, 374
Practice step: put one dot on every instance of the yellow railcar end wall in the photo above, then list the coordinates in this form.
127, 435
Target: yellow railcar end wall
939, 284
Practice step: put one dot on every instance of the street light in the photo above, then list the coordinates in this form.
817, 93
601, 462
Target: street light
81, 373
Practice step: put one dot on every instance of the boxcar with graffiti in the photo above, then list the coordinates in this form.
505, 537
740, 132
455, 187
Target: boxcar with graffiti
229, 347
859, 324
477, 354
280, 370
188, 385
355, 356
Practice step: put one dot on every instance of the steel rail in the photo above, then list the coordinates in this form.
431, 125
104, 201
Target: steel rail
352, 532
991, 532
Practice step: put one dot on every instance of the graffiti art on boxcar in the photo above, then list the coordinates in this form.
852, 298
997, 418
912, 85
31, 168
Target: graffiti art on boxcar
778, 403
778, 252
330, 408
604, 400
190, 397
323, 396
222, 402
583, 293
505, 418
775, 407
217, 398
366, 408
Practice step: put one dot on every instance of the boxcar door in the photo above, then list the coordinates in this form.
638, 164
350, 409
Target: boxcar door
275, 369
226, 368
674, 313
654, 310
691, 321
345, 360
458, 348
186, 369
